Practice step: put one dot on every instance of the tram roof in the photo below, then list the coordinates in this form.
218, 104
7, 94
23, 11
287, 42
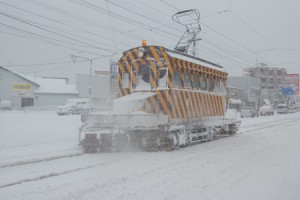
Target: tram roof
196, 60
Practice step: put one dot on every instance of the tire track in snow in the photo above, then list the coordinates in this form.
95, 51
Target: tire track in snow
52, 174
271, 124
18, 163
268, 122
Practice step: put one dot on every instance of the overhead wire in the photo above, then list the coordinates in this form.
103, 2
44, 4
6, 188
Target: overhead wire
80, 19
46, 39
63, 66
60, 22
243, 61
214, 30
145, 17
37, 25
251, 28
173, 39
118, 16
111, 25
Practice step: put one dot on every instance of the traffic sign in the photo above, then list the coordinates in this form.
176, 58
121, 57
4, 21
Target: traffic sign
287, 91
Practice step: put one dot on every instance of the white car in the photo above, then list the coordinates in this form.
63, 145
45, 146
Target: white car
249, 112
74, 106
283, 109
266, 109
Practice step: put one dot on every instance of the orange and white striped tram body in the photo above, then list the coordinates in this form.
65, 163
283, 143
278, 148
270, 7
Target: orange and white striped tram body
166, 100
185, 90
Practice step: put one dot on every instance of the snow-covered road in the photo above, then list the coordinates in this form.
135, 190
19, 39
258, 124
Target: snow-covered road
40, 159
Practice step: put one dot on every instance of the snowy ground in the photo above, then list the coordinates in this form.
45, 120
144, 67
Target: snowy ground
40, 159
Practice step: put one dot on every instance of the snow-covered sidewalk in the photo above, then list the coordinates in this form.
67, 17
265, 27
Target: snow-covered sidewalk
32, 135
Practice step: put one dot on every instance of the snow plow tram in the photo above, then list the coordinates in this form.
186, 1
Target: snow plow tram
167, 100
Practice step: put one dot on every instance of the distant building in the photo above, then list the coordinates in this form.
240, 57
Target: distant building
97, 87
113, 80
53, 91
25, 91
234, 95
271, 78
293, 81
250, 94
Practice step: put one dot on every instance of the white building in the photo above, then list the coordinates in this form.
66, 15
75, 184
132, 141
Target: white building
24, 91
95, 87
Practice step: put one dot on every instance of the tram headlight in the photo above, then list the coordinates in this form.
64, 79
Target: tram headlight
141, 52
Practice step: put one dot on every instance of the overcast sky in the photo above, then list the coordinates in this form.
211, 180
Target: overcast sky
38, 36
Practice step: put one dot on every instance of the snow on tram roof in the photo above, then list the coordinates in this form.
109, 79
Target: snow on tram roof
195, 60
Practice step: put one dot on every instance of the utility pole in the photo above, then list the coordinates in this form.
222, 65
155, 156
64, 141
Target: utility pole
74, 59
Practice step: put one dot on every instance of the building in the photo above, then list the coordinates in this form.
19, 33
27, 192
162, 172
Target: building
113, 80
250, 94
96, 87
234, 95
270, 78
53, 91
25, 91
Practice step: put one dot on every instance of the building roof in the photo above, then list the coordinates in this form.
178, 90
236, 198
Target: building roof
20, 75
47, 85
54, 86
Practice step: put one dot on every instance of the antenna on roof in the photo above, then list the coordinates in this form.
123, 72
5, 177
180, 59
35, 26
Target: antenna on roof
190, 19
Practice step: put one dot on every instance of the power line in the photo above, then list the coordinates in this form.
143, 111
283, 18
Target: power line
59, 22
213, 14
222, 35
118, 16
211, 44
63, 66
170, 5
82, 20
50, 31
38, 64
47, 38
251, 28
145, 17
110, 21
235, 42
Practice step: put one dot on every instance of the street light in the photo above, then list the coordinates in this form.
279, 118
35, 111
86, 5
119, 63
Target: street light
74, 59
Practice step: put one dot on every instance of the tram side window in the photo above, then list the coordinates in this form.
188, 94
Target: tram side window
218, 89
125, 80
203, 83
196, 81
187, 80
162, 77
223, 86
210, 84
176, 79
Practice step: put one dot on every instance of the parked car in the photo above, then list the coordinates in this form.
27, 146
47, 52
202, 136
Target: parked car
74, 106
249, 112
6, 105
266, 109
283, 108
